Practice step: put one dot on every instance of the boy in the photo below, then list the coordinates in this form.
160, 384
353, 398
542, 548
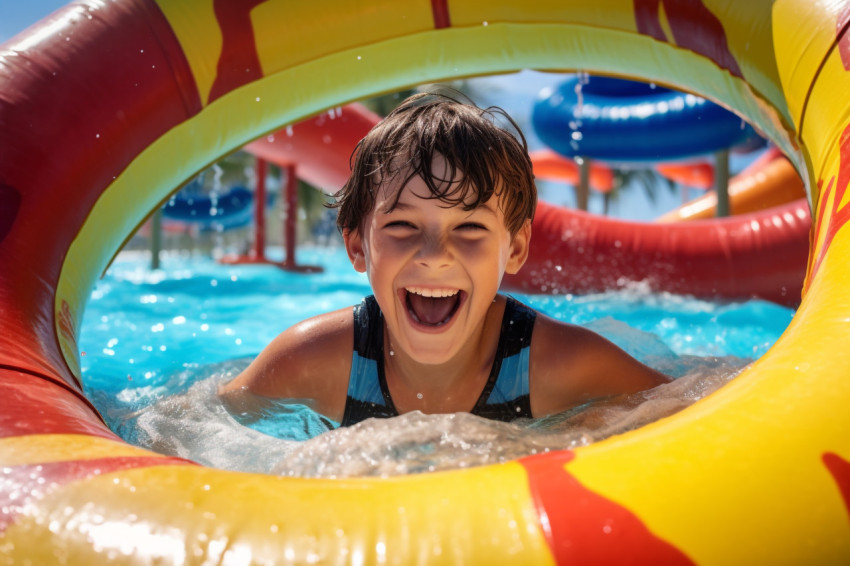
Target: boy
437, 209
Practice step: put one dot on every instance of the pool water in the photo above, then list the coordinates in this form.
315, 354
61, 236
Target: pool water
156, 344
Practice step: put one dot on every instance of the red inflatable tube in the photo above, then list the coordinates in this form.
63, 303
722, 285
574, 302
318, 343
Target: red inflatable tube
42, 156
752, 255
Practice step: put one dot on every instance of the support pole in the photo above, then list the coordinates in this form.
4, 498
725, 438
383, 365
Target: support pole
290, 221
259, 251
156, 237
721, 182
583, 188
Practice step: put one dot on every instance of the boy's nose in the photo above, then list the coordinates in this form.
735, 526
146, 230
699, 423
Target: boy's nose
434, 253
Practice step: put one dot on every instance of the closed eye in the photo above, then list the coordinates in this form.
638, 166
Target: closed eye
400, 224
471, 226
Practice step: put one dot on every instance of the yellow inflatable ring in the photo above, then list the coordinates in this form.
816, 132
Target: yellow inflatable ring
105, 108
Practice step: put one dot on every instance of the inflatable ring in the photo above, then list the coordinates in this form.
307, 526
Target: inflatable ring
616, 120
106, 108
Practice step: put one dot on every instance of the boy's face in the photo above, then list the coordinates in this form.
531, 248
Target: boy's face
434, 269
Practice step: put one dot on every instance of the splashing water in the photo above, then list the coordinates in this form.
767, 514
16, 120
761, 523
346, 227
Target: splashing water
176, 338
196, 425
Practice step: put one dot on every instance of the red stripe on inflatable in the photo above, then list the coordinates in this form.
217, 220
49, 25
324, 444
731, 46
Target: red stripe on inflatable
239, 62
20, 486
840, 470
582, 527
693, 26
29, 405
181, 71
96, 72
440, 9
838, 216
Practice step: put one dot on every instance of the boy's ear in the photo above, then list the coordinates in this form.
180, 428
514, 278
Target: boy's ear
519, 249
354, 246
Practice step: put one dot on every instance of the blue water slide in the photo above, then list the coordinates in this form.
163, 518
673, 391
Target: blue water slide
619, 120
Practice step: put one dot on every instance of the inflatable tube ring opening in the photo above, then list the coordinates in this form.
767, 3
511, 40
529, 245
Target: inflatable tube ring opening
132, 98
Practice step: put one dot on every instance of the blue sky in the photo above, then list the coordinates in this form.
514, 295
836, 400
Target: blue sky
17, 15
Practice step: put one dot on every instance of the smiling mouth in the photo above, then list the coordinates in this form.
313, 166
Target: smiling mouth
432, 307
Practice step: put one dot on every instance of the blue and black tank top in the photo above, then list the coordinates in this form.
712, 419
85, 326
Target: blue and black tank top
505, 396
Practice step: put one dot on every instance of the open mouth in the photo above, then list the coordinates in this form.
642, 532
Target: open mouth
432, 307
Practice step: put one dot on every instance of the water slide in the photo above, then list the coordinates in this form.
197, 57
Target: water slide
319, 147
550, 166
107, 108
574, 252
768, 182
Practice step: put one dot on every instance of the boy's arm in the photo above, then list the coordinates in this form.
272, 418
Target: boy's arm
309, 361
571, 365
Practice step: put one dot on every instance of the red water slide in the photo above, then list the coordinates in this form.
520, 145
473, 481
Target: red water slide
762, 254
319, 147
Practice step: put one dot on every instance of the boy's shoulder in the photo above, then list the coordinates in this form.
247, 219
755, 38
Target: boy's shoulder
320, 331
555, 340
320, 345
309, 360
571, 365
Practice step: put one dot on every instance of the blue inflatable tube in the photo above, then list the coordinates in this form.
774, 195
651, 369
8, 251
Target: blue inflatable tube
229, 210
624, 121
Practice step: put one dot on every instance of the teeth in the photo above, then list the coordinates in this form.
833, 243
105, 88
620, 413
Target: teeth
425, 292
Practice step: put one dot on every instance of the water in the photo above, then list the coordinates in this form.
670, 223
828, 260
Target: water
156, 345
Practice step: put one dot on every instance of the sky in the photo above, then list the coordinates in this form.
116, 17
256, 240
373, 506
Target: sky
17, 15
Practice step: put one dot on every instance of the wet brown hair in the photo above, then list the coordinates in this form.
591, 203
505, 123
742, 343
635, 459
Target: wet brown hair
482, 159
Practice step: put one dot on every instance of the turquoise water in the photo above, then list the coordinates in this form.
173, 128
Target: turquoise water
155, 344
